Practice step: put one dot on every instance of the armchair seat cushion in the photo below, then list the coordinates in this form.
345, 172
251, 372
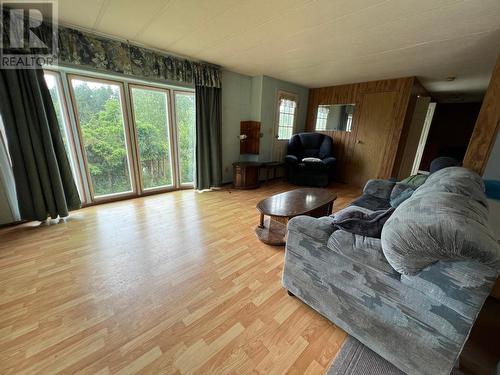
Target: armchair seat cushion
310, 166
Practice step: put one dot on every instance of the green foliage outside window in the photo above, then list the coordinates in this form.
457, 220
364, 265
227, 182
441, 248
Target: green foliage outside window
186, 119
103, 132
101, 123
151, 120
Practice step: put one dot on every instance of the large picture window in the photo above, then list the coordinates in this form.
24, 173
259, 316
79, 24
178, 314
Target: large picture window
99, 110
131, 138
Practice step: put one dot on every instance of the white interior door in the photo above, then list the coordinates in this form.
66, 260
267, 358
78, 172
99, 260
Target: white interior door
414, 136
284, 126
423, 138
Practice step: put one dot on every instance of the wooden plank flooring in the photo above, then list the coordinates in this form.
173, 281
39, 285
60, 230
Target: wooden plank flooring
171, 283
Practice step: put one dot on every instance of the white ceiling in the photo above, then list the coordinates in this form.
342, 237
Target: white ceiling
314, 42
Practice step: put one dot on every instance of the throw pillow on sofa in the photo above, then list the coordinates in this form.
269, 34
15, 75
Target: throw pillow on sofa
401, 197
362, 221
415, 181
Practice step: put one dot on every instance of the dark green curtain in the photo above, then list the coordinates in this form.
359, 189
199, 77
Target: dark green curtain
44, 182
208, 137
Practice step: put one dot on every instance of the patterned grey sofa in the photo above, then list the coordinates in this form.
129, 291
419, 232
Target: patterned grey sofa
413, 295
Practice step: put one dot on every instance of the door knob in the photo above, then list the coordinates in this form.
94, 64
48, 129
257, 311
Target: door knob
360, 142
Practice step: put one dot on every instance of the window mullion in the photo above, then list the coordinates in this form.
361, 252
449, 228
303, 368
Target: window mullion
75, 139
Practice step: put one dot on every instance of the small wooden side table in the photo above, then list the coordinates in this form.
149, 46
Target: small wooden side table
246, 175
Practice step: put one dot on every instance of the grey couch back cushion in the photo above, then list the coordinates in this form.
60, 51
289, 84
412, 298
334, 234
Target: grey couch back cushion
445, 219
455, 180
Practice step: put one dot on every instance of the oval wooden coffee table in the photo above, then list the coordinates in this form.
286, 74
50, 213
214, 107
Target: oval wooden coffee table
282, 207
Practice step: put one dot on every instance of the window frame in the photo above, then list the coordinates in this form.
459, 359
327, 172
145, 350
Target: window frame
185, 185
286, 95
171, 134
126, 129
68, 102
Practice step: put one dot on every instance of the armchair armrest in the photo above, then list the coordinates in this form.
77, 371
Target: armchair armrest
329, 161
291, 159
379, 188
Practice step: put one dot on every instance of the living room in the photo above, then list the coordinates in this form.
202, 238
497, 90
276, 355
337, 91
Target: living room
306, 187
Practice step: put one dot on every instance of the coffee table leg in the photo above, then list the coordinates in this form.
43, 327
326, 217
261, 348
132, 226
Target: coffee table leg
261, 223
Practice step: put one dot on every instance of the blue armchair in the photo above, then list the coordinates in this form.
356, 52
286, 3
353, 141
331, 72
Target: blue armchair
310, 173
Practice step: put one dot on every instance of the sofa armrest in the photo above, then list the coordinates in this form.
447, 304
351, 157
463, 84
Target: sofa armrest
319, 230
379, 188
291, 159
462, 286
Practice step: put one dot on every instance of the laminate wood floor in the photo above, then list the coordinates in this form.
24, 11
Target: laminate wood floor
171, 283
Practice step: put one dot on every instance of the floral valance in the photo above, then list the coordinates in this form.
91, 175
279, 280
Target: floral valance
87, 50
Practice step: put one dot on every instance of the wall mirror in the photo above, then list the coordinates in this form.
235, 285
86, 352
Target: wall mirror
336, 117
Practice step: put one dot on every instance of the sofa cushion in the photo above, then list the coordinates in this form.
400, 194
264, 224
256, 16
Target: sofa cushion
456, 180
398, 189
362, 250
351, 211
372, 203
361, 221
401, 197
438, 226
318, 229
379, 188
415, 181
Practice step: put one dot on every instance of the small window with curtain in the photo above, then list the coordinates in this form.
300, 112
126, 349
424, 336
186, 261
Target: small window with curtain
287, 113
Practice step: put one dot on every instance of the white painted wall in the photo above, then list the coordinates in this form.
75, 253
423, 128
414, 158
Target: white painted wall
253, 98
236, 99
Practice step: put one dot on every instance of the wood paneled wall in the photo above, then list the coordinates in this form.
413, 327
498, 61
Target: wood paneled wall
344, 142
487, 126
